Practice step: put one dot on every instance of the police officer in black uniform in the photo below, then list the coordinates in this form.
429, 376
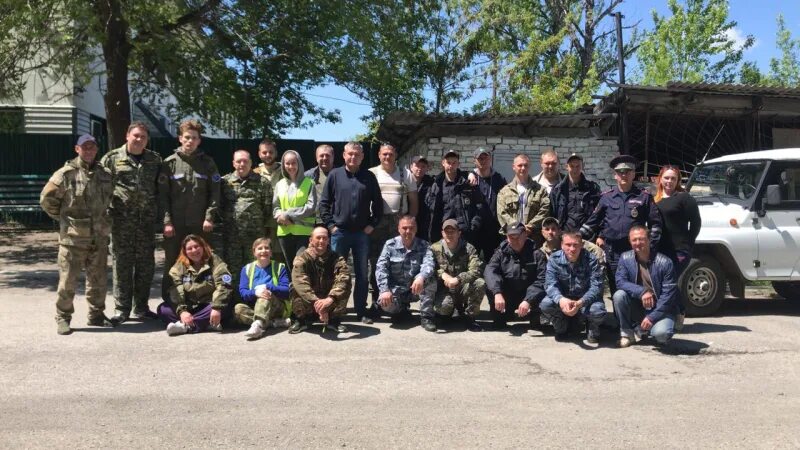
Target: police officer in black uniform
617, 211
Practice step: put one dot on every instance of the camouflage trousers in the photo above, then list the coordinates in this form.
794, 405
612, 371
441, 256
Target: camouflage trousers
133, 244
71, 260
172, 248
264, 309
466, 298
237, 252
303, 309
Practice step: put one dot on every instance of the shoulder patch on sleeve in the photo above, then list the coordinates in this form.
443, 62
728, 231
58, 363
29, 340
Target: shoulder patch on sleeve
162, 178
215, 178
226, 278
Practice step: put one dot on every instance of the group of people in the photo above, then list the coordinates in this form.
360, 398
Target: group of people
288, 232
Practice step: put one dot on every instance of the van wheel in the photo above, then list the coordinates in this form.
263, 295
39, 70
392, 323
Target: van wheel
703, 286
790, 290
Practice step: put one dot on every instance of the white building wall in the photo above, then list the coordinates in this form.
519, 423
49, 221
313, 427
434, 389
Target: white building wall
596, 153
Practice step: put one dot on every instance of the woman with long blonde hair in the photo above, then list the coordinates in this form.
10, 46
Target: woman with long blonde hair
681, 222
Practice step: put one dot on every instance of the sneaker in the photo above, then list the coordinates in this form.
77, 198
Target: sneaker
217, 327
428, 325
626, 341
298, 327
100, 321
366, 320
119, 318
63, 327
679, 322
336, 325
256, 330
592, 338
177, 328
144, 315
281, 323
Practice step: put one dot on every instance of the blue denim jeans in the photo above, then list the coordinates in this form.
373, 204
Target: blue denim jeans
594, 313
630, 313
342, 242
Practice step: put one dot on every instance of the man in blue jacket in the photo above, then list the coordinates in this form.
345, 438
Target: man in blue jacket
646, 301
574, 286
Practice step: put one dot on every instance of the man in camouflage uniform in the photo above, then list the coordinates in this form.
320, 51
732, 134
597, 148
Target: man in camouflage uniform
188, 193
320, 284
270, 169
405, 273
77, 196
458, 272
523, 200
246, 206
133, 213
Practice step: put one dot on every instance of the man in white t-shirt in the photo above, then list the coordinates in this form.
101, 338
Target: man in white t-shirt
549, 176
399, 193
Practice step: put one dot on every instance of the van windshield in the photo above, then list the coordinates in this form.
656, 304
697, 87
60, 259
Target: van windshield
735, 179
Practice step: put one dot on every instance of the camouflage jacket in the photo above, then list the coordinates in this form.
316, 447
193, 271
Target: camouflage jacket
246, 204
188, 189
537, 205
273, 175
323, 276
464, 263
397, 267
77, 196
210, 284
135, 183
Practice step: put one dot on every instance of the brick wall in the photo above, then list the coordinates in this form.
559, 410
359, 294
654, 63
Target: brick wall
596, 152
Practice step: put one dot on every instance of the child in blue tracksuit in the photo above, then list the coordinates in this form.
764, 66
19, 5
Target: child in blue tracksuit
264, 300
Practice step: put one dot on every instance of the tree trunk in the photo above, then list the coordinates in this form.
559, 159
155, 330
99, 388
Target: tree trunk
116, 50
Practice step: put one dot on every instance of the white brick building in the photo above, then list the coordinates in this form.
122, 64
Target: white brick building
507, 136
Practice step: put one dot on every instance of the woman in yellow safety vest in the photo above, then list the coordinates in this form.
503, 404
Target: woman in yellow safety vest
294, 205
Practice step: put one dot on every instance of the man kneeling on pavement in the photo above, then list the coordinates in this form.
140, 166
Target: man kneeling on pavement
515, 278
458, 273
646, 300
405, 274
574, 285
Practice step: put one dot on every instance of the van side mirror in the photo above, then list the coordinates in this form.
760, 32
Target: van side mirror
773, 195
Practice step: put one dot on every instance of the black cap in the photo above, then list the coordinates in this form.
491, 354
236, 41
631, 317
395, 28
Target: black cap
514, 229
451, 152
479, 151
550, 221
624, 162
418, 158
574, 156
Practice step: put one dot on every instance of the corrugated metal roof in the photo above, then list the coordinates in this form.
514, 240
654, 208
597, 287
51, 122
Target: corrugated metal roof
714, 88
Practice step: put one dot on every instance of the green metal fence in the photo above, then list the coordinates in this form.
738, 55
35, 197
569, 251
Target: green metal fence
42, 154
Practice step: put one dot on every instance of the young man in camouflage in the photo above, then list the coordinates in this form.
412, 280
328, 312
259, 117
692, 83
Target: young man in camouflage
270, 169
246, 207
405, 273
188, 192
458, 273
320, 284
133, 212
77, 196
523, 200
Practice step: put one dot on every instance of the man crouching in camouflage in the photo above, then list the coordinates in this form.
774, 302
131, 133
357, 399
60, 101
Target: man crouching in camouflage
78, 195
458, 272
320, 284
405, 274
133, 211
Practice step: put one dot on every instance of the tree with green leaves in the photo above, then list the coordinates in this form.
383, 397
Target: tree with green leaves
544, 55
692, 45
785, 71
247, 62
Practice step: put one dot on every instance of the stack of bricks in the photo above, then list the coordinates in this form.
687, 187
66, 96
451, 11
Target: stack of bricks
596, 153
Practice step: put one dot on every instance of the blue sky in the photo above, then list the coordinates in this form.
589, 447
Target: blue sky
753, 17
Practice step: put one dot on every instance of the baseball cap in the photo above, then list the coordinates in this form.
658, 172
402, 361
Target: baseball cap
450, 223
86, 138
574, 156
548, 221
451, 152
418, 158
479, 151
515, 229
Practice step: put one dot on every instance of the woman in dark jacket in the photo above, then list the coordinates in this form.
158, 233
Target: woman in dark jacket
681, 218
